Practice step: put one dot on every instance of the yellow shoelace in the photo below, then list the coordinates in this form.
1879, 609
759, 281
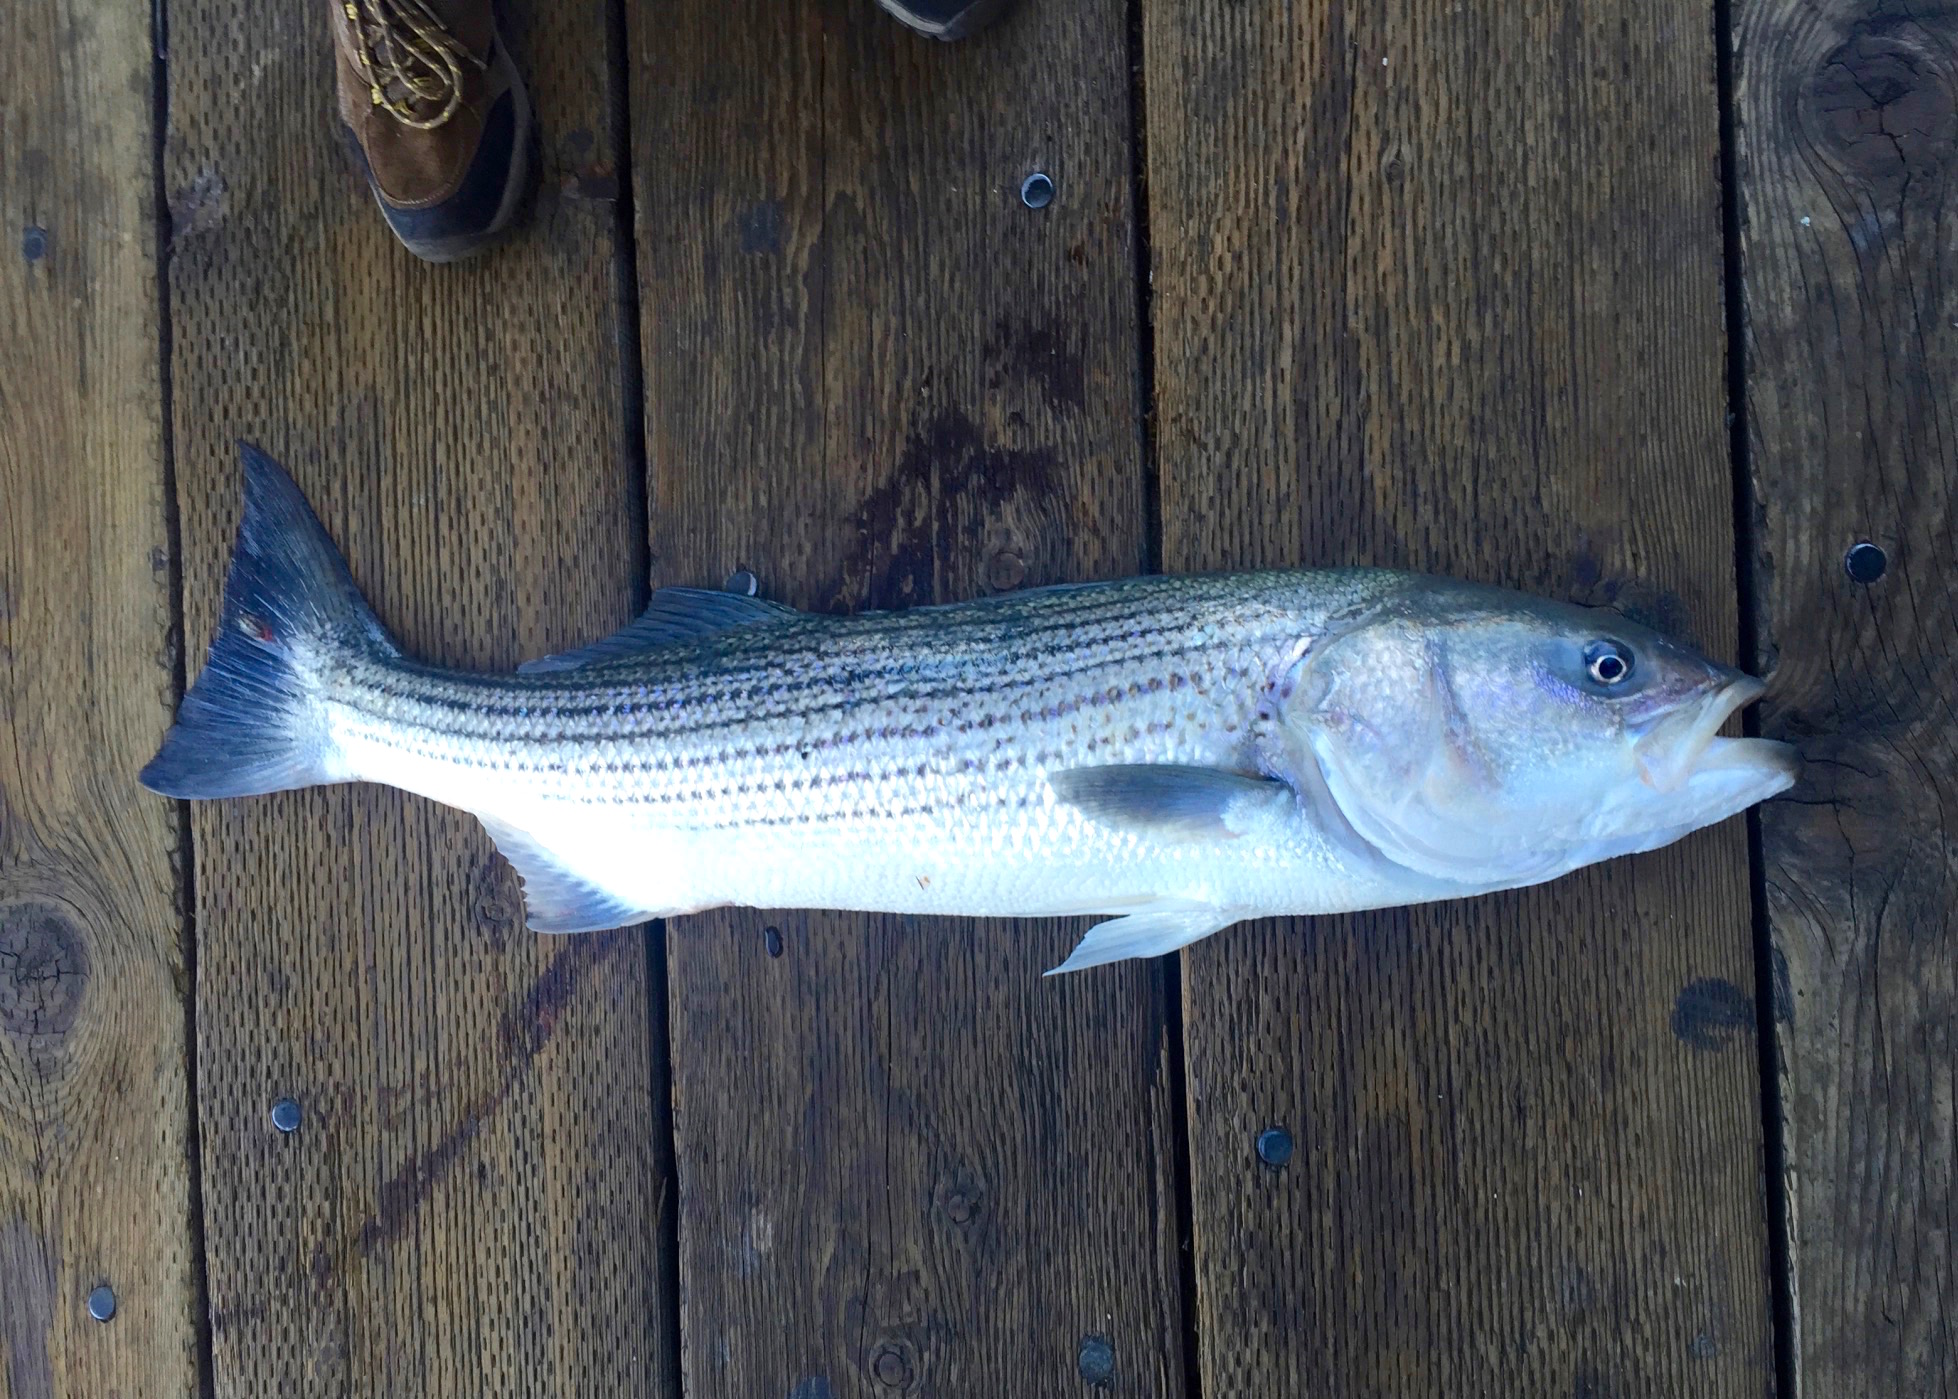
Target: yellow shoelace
403, 44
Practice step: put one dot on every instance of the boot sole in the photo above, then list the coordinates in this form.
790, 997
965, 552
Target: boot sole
516, 184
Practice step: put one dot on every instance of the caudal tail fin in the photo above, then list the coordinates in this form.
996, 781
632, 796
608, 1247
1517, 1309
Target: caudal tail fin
251, 723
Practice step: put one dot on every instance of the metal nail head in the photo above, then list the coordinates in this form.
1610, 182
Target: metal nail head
1274, 1146
285, 1115
1037, 190
1865, 562
102, 1302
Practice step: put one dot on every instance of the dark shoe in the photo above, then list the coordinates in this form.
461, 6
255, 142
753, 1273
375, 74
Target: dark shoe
947, 19
439, 116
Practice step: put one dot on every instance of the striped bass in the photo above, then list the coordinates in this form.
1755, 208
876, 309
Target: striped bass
1176, 753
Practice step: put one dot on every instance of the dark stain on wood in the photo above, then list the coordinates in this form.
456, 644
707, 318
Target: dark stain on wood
526, 1029
1641, 600
227, 1318
198, 209
1590, 1384
1046, 353
408, 1188
913, 520
595, 183
761, 226
1710, 1014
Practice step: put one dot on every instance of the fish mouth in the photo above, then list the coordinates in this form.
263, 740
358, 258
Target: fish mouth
1686, 747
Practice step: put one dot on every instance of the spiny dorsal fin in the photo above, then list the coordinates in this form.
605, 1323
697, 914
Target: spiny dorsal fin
674, 614
1171, 800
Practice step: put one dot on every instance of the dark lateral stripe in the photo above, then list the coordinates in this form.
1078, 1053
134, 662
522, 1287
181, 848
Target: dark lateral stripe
488, 708
559, 756
513, 696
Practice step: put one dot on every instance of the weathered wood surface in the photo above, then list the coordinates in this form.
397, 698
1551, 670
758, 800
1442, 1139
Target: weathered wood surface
95, 1171
908, 1164
1439, 286
472, 1204
1848, 179
1460, 309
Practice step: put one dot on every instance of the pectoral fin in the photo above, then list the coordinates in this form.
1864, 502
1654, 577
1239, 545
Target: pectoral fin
1178, 802
1147, 934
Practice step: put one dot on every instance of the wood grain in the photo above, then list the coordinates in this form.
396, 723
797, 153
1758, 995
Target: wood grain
1439, 286
1846, 130
471, 1206
873, 376
95, 1169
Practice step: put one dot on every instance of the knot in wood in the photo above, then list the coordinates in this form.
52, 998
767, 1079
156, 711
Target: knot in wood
494, 899
961, 1197
43, 970
1005, 571
892, 1365
1883, 103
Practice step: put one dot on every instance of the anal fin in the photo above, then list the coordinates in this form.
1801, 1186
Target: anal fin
1149, 933
557, 900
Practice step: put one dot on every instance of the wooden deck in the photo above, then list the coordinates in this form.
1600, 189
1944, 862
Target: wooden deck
1642, 302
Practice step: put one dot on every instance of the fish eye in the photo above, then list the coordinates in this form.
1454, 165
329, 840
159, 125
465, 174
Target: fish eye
1608, 662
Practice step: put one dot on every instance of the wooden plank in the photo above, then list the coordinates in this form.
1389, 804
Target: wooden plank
1439, 286
1845, 121
873, 376
95, 1165
471, 1204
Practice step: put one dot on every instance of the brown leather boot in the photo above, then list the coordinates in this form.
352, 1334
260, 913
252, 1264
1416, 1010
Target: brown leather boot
439, 116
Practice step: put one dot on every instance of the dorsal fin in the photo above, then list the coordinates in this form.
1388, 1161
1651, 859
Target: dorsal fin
674, 614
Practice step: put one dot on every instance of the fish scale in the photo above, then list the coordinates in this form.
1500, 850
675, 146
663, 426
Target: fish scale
605, 733
907, 736
1180, 753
